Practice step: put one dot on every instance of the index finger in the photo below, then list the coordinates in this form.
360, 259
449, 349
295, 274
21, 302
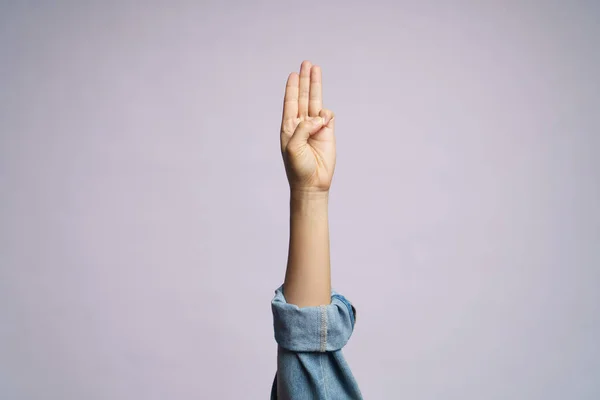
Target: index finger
290, 100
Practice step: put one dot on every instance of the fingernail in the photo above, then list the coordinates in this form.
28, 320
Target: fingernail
319, 121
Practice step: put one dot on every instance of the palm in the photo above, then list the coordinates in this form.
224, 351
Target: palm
310, 160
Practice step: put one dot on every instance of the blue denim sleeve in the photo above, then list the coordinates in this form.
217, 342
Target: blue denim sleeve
310, 363
322, 328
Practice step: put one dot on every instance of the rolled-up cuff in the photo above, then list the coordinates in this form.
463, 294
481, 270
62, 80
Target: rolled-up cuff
315, 329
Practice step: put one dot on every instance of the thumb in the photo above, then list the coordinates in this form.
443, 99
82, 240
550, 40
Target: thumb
307, 128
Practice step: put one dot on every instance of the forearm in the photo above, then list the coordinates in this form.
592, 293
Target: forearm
308, 277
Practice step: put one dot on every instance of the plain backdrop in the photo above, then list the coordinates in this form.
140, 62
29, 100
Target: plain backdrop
144, 205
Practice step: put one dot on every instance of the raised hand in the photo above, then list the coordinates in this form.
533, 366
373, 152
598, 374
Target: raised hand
307, 132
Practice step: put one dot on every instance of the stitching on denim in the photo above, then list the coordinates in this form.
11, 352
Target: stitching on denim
323, 328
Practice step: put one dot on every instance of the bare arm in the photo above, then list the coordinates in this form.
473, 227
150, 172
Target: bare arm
308, 149
308, 279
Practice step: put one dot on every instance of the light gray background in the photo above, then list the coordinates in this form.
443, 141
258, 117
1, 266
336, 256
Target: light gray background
143, 220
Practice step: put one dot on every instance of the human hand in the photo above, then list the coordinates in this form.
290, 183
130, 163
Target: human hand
307, 132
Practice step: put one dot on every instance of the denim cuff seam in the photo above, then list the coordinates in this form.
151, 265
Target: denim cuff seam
323, 329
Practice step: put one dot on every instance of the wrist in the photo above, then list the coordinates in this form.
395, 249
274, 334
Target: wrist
309, 203
309, 195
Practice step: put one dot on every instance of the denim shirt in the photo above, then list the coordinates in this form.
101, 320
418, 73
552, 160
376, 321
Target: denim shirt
310, 364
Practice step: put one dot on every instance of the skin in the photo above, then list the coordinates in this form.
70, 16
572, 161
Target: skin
308, 150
